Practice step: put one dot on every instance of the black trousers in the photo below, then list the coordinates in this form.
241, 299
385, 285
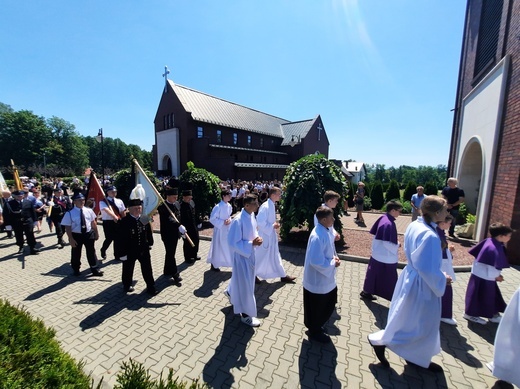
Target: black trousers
60, 231
317, 308
27, 229
110, 228
83, 240
190, 253
143, 256
170, 264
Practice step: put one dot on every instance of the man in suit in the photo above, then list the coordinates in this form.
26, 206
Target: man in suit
170, 232
19, 216
135, 241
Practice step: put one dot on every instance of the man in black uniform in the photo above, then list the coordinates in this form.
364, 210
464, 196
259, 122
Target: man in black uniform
135, 242
454, 196
20, 216
59, 205
190, 221
170, 232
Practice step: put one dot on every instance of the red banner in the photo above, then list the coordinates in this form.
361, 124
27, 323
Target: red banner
95, 193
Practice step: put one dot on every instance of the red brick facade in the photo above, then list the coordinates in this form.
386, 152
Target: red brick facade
504, 206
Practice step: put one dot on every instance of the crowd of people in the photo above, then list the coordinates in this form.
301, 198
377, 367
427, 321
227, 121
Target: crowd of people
245, 239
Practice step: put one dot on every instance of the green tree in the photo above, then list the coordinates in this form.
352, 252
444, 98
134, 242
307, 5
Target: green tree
306, 181
410, 190
393, 192
376, 195
23, 136
205, 187
430, 188
66, 147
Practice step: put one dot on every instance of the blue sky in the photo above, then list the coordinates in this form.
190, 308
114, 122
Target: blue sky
381, 73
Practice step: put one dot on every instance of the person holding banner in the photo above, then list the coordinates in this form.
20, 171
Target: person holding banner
112, 210
170, 232
135, 240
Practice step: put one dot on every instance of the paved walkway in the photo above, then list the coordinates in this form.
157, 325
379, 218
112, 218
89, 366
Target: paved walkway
192, 328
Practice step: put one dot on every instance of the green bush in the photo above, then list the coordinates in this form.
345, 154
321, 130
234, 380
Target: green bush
410, 190
30, 356
430, 188
471, 219
306, 181
367, 203
205, 187
135, 376
393, 192
124, 181
376, 197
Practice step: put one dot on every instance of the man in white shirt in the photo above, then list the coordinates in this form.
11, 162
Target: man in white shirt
81, 228
112, 210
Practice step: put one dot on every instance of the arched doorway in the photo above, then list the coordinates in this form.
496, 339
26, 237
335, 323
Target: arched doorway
471, 179
167, 165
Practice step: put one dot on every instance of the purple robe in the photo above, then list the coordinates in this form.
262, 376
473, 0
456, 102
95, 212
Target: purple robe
483, 297
381, 277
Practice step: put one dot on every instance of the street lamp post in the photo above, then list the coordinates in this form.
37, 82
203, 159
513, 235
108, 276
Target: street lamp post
99, 138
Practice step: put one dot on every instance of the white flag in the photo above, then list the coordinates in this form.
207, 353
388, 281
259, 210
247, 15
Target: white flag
152, 199
3, 185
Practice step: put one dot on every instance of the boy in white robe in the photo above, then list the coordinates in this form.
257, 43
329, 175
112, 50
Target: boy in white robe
330, 200
320, 292
219, 254
268, 258
507, 347
243, 240
412, 331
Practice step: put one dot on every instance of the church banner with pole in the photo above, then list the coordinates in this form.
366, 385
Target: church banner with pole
3, 184
17, 182
95, 192
152, 199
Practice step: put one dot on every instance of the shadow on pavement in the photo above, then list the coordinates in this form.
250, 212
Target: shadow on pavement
230, 353
63, 271
211, 281
379, 311
453, 343
317, 365
113, 300
410, 378
263, 293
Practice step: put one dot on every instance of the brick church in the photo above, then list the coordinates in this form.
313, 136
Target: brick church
228, 139
485, 146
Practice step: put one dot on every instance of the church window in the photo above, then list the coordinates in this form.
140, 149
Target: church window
200, 132
249, 140
219, 136
235, 139
488, 34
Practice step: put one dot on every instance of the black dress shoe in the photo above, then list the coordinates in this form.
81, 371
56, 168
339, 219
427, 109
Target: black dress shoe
103, 254
198, 258
152, 291
177, 278
130, 289
318, 337
380, 354
288, 279
96, 272
34, 252
214, 268
367, 296
189, 261
433, 367
257, 280
77, 273
20, 250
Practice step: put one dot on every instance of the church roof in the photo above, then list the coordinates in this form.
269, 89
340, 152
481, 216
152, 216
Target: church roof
210, 109
214, 110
